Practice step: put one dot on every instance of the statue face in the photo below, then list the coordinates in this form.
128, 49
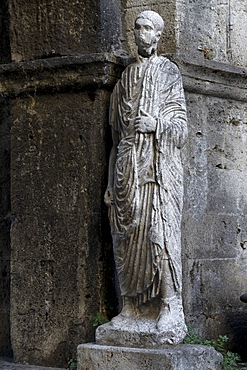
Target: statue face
146, 36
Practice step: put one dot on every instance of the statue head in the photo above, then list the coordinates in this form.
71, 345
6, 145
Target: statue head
148, 29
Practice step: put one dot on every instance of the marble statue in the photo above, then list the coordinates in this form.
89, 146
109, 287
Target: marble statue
145, 188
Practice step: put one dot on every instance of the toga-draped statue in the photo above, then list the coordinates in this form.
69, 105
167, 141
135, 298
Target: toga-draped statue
145, 184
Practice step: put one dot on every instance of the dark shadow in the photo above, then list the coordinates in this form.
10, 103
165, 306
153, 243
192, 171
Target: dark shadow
5, 223
237, 327
5, 54
111, 285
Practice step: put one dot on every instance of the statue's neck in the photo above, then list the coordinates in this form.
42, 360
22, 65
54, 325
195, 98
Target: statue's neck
143, 59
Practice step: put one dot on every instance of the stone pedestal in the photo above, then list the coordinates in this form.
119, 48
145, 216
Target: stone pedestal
180, 357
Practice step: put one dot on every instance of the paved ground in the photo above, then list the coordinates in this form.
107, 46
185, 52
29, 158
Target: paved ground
7, 364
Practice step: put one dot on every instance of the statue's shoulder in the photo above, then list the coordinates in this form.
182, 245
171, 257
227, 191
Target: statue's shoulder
128, 68
132, 64
168, 67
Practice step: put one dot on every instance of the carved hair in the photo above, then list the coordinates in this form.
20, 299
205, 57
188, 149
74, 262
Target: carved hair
153, 17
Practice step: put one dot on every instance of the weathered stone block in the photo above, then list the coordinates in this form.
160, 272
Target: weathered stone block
205, 27
58, 176
5, 222
214, 235
62, 28
182, 357
213, 284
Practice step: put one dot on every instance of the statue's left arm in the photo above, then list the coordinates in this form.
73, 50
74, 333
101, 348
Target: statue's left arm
108, 198
172, 115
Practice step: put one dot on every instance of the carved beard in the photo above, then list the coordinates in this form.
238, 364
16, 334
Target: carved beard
145, 49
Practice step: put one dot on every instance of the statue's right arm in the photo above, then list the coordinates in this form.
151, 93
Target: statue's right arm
108, 198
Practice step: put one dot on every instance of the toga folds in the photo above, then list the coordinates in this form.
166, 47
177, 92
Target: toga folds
145, 216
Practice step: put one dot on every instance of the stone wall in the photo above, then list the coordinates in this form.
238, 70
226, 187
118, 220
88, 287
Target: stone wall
215, 209
54, 127
59, 238
5, 221
213, 29
59, 27
63, 61
5, 123
56, 234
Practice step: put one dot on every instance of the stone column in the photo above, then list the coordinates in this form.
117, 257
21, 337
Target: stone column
58, 171
5, 219
5, 222
56, 96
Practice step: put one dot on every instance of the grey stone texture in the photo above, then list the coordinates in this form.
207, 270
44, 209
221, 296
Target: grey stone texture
181, 357
213, 30
61, 28
141, 332
53, 115
214, 226
55, 205
57, 109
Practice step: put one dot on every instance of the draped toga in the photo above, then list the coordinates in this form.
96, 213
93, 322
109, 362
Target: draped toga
145, 216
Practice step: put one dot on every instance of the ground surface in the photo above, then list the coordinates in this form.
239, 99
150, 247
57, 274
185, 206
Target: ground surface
7, 364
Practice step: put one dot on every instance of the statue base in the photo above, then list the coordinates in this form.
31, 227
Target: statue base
141, 332
148, 326
180, 357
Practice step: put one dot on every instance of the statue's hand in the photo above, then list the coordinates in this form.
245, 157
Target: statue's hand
145, 123
108, 197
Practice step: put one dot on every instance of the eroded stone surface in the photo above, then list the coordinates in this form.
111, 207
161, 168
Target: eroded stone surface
183, 357
58, 29
56, 200
5, 223
140, 332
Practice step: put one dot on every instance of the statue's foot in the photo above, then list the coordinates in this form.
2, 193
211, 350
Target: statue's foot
170, 313
165, 319
128, 312
171, 321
